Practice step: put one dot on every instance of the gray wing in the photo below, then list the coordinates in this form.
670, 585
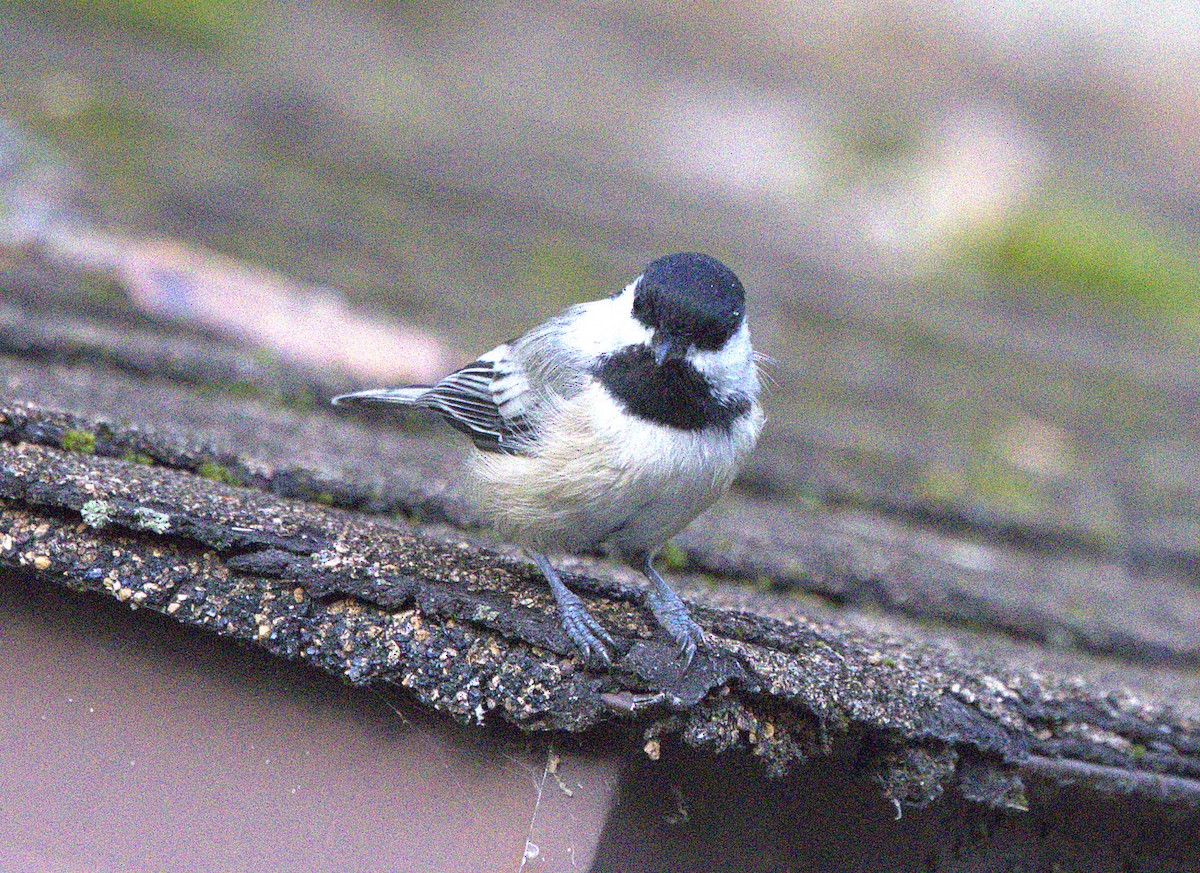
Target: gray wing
483, 400
471, 400
500, 399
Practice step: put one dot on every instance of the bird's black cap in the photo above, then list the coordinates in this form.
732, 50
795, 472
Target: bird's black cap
691, 299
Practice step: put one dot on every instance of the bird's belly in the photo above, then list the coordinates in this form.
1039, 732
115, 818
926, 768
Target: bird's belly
609, 478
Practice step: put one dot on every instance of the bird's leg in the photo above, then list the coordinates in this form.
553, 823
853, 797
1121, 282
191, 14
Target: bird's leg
579, 624
672, 614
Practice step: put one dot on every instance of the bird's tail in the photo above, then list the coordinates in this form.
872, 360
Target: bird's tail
401, 396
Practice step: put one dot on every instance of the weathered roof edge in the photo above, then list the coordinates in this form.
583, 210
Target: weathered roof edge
470, 634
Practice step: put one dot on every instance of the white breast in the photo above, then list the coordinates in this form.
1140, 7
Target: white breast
610, 478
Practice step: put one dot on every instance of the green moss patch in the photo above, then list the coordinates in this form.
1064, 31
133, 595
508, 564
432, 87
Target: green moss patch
82, 441
1098, 255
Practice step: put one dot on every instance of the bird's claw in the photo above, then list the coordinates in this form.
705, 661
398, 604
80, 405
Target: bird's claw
674, 619
584, 631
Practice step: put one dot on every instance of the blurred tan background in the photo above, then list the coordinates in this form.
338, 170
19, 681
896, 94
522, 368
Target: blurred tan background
969, 231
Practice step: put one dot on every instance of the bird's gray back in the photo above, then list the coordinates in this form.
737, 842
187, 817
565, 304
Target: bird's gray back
540, 370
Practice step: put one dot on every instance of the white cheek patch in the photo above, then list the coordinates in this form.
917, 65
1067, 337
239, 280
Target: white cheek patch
607, 326
729, 369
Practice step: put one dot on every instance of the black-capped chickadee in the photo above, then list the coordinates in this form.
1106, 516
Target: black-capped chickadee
613, 424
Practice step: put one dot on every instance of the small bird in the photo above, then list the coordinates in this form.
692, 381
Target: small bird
613, 424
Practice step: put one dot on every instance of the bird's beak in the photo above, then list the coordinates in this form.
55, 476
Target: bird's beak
661, 348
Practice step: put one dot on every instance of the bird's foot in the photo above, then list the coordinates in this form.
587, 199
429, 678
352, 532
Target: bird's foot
583, 629
580, 625
673, 616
